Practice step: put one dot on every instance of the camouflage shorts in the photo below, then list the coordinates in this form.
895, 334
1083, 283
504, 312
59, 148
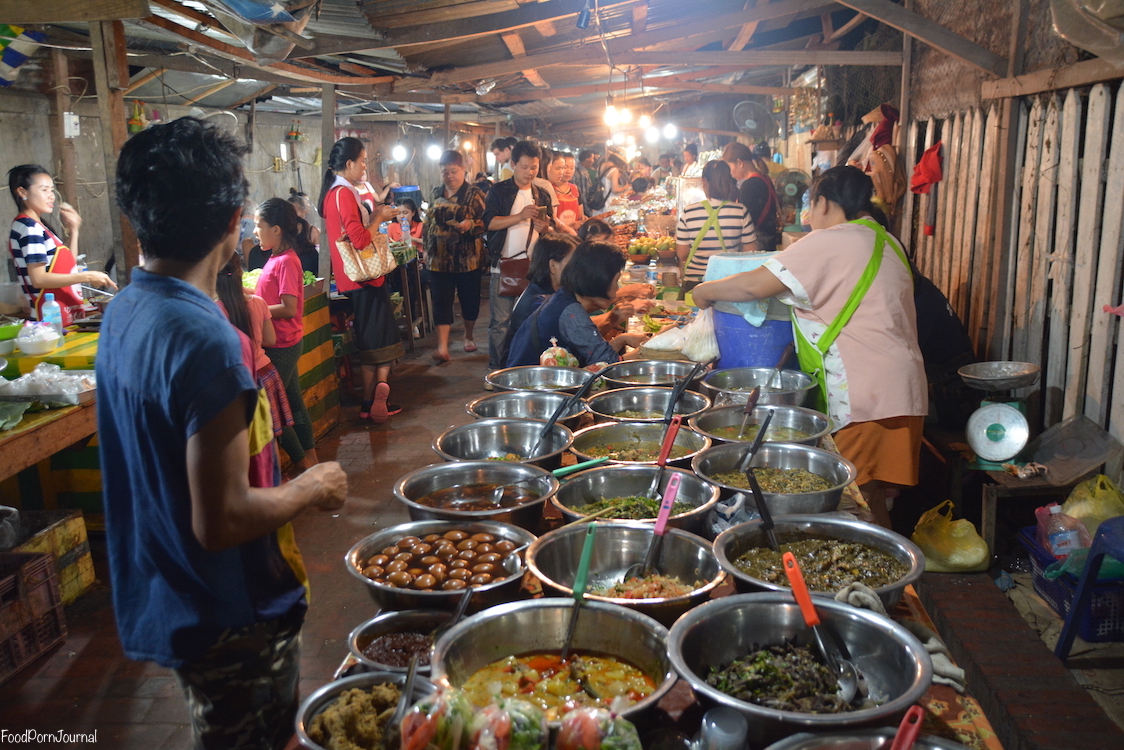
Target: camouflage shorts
242, 693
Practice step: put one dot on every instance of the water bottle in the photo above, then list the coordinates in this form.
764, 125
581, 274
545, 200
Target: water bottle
51, 313
653, 273
1062, 532
404, 222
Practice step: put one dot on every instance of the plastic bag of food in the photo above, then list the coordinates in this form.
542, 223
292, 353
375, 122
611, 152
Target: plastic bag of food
1093, 501
442, 721
596, 729
510, 725
1074, 563
557, 356
700, 343
950, 546
669, 341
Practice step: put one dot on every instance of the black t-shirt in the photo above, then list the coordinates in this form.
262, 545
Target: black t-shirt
755, 195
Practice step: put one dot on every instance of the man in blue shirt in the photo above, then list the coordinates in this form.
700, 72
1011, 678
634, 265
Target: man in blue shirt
206, 577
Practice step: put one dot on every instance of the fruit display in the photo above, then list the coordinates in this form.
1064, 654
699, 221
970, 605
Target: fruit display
650, 245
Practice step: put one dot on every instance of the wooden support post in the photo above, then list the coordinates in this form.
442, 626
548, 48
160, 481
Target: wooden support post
111, 77
447, 131
327, 140
66, 171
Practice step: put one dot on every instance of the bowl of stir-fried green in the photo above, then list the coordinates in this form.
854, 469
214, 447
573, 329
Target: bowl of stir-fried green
753, 653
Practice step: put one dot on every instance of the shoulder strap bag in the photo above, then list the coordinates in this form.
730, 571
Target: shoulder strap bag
371, 262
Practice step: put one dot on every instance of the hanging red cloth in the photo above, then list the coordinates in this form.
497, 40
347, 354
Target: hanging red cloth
926, 179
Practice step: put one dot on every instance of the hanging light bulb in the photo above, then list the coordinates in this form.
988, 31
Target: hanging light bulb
398, 153
612, 116
467, 145
625, 115
433, 151
644, 122
485, 87
670, 131
652, 134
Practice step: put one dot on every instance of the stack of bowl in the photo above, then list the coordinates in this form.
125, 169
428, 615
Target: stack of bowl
539, 378
524, 405
650, 401
494, 439
636, 372
732, 386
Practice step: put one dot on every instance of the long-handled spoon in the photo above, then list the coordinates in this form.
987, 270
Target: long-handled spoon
458, 613
665, 451
844, 670
564, 408
639, 570
756, 444
755, 393
392, 732
680, 388
908, 729
580, 581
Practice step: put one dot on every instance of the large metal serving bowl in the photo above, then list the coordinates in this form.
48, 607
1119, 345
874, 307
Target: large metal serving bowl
391, 598
593, 485
539, 378
860, 739
636, 432
406, 621
540, 625
554, 557
737, 540
525, 405
636, 372
809, 421
323, 697
427, 479
729, 456
895, 664
1000, 376
605, 405
732, 386
493, 438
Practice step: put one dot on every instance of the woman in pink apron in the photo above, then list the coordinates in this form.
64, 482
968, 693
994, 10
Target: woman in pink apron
43, 262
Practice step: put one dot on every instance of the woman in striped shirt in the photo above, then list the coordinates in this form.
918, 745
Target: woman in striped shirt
716, 225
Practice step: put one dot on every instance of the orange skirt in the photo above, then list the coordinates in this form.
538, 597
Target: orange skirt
885, 449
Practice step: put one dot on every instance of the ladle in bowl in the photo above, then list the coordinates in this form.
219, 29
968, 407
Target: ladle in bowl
844, 670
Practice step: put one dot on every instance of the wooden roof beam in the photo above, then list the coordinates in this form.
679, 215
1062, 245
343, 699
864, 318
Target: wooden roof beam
752, 58
212, 90
846, 28
21, 12
720, 88
514, 44
746, 32
134, 85
640, 18
923, 29
257, 94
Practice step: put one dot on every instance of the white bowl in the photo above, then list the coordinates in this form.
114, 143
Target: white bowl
7, 347
39, 347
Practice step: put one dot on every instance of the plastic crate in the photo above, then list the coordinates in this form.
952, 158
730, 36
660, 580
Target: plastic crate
1104, 621
31, 610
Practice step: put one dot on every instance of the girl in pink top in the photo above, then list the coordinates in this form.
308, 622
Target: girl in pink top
281, 285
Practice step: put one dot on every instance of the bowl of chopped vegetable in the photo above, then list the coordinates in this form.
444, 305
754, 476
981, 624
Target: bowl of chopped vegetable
833, 551
753, 653
666, 372
643, 404
732, 386
513, 650
336, 714
525, 405
505, 440
790, 424
685, 569
539, 378
636, 443
625, 488
794, 478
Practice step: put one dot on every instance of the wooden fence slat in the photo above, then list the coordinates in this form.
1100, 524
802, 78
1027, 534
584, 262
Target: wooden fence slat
1021, 270
971, 205
956, 221
984, 255
1001, 343
925, 242
1086, 246
1108, 279
1059, 267
1043, 234
946, 212
909, 227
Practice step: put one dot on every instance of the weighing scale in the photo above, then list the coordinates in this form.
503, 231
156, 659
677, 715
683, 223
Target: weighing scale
998, 430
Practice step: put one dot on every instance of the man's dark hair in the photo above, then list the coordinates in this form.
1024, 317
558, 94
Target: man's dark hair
507, 141
450, 158
550, 246
180, 184
529, 149
692, 149
592, 269
586, 153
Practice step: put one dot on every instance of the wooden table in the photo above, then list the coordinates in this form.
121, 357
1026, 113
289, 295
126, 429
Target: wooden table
76, 351
41, 435
1008, 485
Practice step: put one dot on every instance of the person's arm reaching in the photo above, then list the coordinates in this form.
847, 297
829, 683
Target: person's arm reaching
225, 510
741, 287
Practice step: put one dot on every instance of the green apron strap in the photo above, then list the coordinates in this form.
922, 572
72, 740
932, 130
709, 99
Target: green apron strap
857, 294
711, 221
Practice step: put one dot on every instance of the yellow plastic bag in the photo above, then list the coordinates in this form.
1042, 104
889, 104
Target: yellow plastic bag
950, 546
1093, 501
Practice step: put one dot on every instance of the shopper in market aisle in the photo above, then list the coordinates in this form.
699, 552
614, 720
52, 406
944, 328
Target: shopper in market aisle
376, 332
454, 250
755, 192
585, 177
501, 149
552, 253
871, 367
279, 230
614, 176
516, 212
205, 574
705, 228
568, 208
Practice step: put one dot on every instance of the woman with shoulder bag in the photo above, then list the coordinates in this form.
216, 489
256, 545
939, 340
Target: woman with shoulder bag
705, 229
350, 223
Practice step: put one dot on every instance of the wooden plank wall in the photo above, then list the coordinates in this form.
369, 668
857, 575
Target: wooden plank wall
1063, 264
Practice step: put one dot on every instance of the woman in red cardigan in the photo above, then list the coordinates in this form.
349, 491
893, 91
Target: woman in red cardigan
376, 332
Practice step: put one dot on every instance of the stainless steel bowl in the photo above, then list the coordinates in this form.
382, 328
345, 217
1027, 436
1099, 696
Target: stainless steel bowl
326, 695
524, 405
860, 739
554, 557
895, 664
407, 621
648, 433
732, 386
729, 456
427, 479
814, 424
593, 485
999, 376
539, 378
636, 372
737, 540
389, 597
540, 625
493, 438
604, 406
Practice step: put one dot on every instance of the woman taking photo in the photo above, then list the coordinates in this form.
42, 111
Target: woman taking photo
755, 192
44, 263
376, 332
865, 358
454, 251
705, 229
589, 284
279, 231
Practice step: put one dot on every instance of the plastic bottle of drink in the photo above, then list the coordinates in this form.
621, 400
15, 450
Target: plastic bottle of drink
404, 222
51, 313
653, 273
1062, 532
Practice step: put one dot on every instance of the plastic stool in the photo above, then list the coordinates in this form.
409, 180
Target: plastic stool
1109, 540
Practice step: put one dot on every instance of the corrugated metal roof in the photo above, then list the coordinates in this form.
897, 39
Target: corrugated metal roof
341, 18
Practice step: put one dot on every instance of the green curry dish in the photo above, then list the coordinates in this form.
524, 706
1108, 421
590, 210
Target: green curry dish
777, 481
788, 678
632, 508
828, 564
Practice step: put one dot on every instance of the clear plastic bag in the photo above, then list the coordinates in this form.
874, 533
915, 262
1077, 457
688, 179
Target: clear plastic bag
557, 356
596, 729
1074, 563
950, 546
700, 343
671, 340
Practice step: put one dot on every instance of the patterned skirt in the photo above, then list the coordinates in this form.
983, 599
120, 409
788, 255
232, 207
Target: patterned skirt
270, 380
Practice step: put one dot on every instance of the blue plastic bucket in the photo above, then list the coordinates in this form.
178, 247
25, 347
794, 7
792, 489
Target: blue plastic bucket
408, 191
743, 345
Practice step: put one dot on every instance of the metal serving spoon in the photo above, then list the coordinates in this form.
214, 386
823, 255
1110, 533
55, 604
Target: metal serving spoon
639, 570
844, 670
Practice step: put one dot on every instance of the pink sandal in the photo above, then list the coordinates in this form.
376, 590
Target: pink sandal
469, 346
379, 408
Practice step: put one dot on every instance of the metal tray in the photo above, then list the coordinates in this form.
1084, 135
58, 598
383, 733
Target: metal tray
68, 399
